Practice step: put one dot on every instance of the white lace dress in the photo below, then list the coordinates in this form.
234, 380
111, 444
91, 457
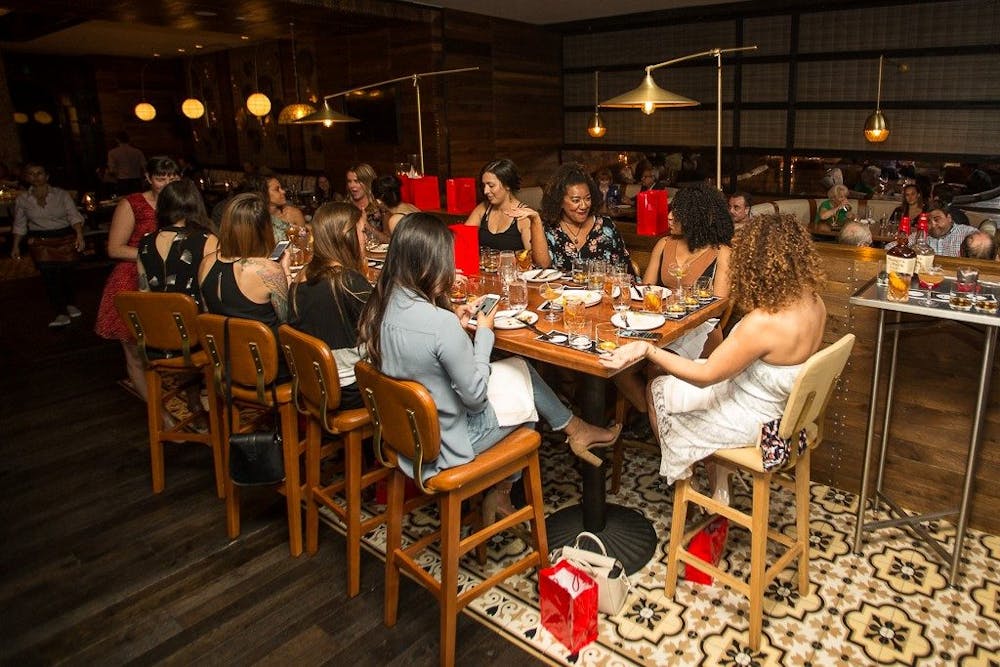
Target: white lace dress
696, 421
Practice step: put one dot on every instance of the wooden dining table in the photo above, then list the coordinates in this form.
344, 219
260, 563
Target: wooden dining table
627, 533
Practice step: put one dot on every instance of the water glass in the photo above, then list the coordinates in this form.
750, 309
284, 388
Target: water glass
595, 275
517, 294
574, 315
579, 271
621, 300
703, 288
967, 279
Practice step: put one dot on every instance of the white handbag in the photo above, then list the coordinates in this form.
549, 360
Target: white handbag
613, 584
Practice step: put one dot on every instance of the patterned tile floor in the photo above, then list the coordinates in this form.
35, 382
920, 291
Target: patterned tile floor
889, 606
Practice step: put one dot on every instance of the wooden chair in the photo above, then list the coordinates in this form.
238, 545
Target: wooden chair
316, 392
805, 409
165, 327
254, 371
406, 424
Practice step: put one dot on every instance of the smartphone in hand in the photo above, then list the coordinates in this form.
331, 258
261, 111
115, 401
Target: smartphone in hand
279, 250
486, 306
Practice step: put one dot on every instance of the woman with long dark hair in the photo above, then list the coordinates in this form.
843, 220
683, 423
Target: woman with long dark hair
504, 221
169, 257
411, 332
327, 299
388, 191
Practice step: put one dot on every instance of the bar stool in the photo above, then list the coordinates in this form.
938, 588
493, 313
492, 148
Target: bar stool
406, 424
165, 327
254, 369
805, 409
316, 392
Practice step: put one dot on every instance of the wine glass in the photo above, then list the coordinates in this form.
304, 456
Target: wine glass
932, 278
517, 295
678, 270
551, 292
621, 300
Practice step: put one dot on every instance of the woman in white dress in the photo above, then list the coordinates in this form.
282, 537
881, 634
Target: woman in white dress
722, 401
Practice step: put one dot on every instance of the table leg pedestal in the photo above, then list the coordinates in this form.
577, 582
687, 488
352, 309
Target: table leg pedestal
628, 535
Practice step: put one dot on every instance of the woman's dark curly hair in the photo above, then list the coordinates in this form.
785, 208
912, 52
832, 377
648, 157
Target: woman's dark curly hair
704, 216
773, 260
552, 197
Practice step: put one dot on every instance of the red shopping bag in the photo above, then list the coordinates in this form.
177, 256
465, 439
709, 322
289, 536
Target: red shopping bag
466, 248
461, 195
707, 544
568, 604
405, 193
425, 193
651, 208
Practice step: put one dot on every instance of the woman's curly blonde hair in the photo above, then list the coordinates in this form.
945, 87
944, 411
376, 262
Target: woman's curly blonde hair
773, 260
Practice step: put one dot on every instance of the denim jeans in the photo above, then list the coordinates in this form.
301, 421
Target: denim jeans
484, 431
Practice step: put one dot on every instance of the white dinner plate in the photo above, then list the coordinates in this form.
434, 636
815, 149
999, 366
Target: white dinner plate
590, 297
542, 275
636, 292
639, 321
506, 319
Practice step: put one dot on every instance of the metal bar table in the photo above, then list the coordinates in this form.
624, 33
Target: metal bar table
873, 295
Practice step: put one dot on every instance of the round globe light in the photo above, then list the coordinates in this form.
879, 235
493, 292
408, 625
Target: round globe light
145, 111
192, 108
258, 104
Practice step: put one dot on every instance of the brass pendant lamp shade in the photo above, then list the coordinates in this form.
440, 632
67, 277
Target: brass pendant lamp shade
596, 129
876, 129
296, 110
649, 97
327, 116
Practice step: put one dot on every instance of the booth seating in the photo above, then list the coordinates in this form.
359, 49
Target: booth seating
406, 424
295, 182
253, 367
165, 328
804, 209
805, 410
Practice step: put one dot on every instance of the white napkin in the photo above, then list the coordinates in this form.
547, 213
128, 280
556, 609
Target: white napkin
509, 392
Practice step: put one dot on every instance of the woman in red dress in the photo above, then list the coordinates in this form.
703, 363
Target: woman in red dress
134, 217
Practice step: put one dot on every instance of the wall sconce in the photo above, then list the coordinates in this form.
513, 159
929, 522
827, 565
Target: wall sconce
144, 111
296, 110
596, 129
876, 128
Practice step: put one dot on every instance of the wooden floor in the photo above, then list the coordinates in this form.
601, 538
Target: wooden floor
97, 570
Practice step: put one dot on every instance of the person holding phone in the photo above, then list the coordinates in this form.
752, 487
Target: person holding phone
411, 332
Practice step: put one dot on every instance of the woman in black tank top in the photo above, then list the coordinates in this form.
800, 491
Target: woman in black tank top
504, 222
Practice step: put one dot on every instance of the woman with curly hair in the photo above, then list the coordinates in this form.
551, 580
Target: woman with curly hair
703, 407
569, 229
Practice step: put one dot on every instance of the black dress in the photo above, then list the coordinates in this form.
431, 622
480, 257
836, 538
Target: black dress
509, 239
179, 271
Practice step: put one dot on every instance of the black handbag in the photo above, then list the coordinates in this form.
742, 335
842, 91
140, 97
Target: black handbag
255, 458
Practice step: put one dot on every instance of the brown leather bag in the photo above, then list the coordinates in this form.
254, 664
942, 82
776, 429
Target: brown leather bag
53, 248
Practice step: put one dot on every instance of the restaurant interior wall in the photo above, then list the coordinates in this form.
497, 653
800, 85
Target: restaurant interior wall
808, 89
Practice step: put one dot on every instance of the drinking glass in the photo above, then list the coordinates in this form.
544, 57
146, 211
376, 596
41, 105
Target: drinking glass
574, 315
930, 280
703, 288
678, 270
595, 275
523, 260
459, 290
489, 260
551, 292
606, 336
652, 299
960, 299
967, 279
517, 294
579, 271
508, 269
621, 301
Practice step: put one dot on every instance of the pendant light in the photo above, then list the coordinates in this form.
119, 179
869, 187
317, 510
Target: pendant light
596, 128
296, 110
144, 111
258, 103
876, 128
192, 107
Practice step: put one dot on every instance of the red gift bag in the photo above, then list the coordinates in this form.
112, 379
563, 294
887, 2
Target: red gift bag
466, 248
405, 193
425, 193
461, 195
707, 544
568, 604
651, 208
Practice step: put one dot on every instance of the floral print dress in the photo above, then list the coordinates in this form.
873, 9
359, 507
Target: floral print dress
603, 242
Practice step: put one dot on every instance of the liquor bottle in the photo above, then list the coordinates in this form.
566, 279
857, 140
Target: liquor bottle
925, 253
900, 261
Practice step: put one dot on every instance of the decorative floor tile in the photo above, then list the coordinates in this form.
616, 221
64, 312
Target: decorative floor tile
889, 605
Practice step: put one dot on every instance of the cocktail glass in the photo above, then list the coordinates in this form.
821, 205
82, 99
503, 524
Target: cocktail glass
929, 280
678, 271
551, 293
